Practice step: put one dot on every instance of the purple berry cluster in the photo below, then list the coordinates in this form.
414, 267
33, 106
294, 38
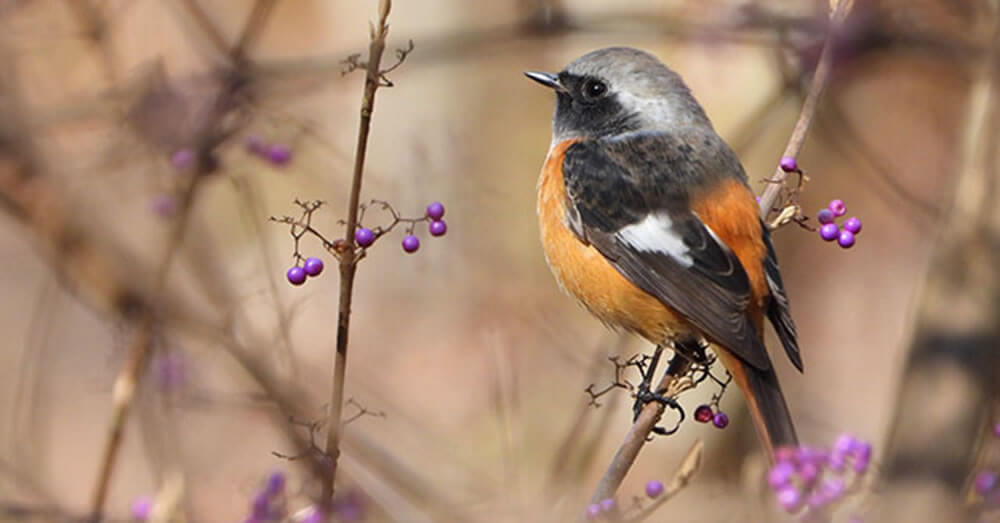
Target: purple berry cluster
276, 154
813, 479
364, 237
311, 268
829, 230
705, 413
437, 227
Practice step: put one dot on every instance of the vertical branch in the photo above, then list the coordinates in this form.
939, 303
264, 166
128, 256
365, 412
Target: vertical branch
130, 375
349, 258
819, 80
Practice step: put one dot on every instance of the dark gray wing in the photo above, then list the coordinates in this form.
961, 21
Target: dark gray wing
777, 309
629, 199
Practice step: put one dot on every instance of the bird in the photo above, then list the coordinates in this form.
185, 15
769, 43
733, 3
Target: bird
647, 219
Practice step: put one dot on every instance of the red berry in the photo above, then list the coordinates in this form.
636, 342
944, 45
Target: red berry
703, 414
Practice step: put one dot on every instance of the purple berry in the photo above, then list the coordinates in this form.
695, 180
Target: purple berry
593, 511
438, 228
182, 158
781, 474
845, 443
985, 482
788, 164
364, 237
825, 216
862, 456
789, 498
853, 224
996, 430
808, 472
276, 481
411, 243
608, 505
837, 207
846, 239
142, 507
703, 414
313, 266
720, 420
829, 232
279, 154
435, 211
654, 488
806, 454
296, 275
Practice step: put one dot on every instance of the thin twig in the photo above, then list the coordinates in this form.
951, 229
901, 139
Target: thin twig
820, 78
348, 259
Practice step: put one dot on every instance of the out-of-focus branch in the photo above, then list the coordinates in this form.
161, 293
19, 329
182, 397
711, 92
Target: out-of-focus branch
809, 106
949, 387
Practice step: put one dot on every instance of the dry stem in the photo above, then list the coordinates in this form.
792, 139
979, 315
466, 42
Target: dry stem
348, 259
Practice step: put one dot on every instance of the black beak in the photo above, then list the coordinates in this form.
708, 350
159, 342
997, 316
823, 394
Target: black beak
547, 79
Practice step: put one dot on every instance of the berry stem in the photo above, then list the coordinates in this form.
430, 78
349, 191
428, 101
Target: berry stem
348, 261
816, 88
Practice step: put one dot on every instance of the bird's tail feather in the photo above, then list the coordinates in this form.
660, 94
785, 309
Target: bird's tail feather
766, 403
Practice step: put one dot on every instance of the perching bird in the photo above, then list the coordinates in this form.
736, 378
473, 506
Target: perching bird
647, 219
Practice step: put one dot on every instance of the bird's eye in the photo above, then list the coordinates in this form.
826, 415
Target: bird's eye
594, 89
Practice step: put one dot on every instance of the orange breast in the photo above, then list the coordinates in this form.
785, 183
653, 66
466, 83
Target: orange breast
585, 274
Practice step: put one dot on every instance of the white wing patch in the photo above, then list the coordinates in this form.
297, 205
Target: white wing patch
656, 234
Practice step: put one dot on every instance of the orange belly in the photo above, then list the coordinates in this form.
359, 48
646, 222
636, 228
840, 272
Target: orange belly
585, 274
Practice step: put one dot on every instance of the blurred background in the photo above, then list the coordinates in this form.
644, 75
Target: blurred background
467, 348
